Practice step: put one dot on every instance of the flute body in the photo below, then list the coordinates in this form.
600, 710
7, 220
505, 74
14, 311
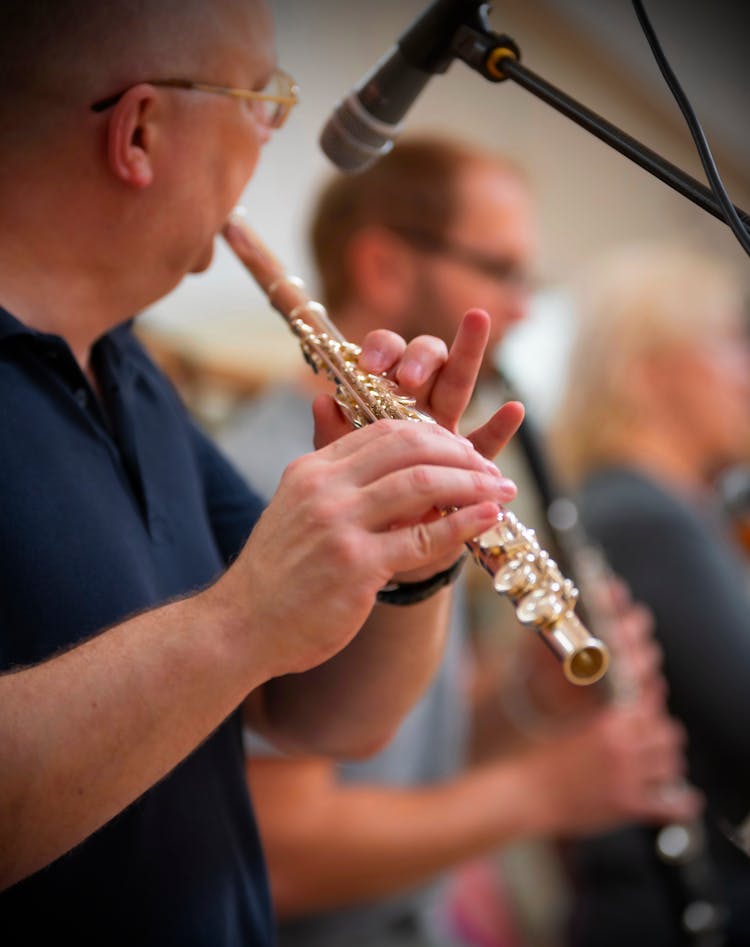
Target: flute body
509, 552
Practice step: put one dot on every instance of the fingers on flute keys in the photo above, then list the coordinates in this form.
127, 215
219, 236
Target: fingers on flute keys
442, 381
392, 475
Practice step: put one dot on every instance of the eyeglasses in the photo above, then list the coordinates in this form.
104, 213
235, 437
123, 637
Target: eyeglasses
272, 104
500, 269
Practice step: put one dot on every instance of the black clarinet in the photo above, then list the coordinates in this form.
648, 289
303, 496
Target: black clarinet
685, 865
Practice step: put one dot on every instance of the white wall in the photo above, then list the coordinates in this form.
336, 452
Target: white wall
589, 196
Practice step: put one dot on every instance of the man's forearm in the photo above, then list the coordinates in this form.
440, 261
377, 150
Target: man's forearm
332, 844
355, 843
84, 734
376, 678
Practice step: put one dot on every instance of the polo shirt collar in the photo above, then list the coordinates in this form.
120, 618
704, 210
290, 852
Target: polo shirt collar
11, 327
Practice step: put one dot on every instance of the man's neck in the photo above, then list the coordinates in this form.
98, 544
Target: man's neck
55, 306
355, 321
54, 276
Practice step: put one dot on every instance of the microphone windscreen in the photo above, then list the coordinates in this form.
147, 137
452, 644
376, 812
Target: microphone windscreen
353, 139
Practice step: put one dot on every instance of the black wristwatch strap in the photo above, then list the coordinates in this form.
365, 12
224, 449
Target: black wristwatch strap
409, 593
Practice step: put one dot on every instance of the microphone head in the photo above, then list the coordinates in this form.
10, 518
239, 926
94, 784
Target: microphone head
353, 139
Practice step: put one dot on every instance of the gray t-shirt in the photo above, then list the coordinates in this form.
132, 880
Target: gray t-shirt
262, 439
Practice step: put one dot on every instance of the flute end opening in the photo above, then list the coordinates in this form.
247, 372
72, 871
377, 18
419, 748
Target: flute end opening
587, 665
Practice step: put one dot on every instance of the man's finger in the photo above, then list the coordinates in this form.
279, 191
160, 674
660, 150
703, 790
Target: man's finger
454, 385
492, 437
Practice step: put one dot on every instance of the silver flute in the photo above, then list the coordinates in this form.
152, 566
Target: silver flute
509, 552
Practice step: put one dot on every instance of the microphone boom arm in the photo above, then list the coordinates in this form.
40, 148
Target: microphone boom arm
497, 58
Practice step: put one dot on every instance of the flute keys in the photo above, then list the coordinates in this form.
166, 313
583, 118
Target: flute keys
508, 551
516, 576
540, 607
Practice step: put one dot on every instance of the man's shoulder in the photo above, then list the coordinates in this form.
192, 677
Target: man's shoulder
278, 403
267, 433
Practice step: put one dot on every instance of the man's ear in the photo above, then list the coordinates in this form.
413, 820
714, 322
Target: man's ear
130, 136
382, 271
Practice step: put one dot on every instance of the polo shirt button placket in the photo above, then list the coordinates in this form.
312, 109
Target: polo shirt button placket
82, 397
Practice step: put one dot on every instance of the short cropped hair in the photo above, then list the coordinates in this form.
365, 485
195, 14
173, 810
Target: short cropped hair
53, 52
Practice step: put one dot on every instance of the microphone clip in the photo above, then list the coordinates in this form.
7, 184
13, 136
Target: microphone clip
484, 51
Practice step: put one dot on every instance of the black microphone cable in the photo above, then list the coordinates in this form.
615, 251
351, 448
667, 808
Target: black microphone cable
731, 217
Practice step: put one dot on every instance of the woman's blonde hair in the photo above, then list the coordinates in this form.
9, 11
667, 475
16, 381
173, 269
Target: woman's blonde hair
632, 303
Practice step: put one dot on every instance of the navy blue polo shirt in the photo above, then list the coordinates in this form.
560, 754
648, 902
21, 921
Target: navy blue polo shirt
108, 508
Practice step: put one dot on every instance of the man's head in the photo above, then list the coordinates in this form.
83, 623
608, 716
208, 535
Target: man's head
150, 178
433, 228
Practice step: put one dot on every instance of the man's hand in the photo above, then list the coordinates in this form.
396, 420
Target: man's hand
344, 520
624, 765
441, 381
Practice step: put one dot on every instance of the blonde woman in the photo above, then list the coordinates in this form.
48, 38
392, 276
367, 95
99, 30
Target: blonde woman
657, 404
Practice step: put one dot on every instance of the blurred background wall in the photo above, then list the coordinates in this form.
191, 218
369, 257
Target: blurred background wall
589, 196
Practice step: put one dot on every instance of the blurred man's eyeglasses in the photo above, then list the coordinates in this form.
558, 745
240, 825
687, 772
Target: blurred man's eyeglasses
501, 269
271, 104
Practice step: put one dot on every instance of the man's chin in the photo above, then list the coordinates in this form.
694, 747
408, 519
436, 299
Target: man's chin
203, 261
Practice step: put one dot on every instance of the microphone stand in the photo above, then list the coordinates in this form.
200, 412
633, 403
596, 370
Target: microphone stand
497, 58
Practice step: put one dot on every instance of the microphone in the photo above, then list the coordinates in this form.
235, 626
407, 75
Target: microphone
365, 124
